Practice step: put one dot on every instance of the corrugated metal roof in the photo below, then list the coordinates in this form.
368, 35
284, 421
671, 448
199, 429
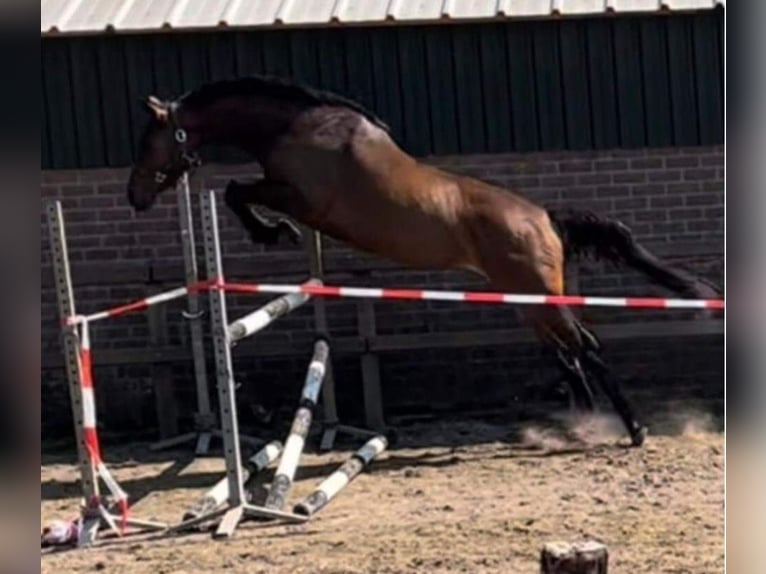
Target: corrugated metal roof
98, 16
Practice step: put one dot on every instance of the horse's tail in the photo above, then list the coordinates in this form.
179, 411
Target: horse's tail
587, 234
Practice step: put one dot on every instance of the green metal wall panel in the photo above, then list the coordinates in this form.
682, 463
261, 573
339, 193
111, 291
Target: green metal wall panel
495, 83
248, 50
87, 103
330, 53
166, 56
526, 134
45, 136
276, 53
416, 135
441, 87
303, 57
630, 96
194, 62
221, 56
361, 85
659, 127
468, 79
470, 88
113, 86
682, 83
139, 81
574, 74
602, 84
388, 81
707, 54
550, 98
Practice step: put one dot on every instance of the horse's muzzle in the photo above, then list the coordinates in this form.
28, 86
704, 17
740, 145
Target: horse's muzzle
141, 194
138, 202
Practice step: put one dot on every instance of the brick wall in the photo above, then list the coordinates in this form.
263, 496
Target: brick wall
667, 196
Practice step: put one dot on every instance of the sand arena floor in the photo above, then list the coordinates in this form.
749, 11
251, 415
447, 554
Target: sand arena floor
483, 498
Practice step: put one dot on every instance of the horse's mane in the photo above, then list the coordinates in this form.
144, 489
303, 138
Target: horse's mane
280, 88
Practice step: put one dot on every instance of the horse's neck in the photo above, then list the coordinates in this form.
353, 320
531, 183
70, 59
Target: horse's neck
251, 123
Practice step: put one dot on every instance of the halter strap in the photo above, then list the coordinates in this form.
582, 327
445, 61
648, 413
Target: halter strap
182, 156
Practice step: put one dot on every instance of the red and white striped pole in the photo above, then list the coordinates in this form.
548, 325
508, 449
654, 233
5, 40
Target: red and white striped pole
90, 432
314, 288
139, 305
475, 296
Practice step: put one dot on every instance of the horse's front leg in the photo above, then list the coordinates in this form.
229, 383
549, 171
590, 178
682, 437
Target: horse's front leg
244, 200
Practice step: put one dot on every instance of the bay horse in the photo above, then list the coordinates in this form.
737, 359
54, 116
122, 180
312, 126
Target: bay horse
333, 166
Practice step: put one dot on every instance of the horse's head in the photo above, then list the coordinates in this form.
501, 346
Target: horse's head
165, 154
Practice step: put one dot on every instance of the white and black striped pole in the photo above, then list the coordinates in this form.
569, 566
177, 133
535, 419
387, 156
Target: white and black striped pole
288, 464
266, 315
219, 494
341, 478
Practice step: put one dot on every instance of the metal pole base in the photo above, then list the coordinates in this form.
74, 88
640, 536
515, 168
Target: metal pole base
89, 532
96, 517
233, 516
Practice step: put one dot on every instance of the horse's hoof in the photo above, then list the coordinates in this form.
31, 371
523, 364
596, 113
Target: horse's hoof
638, 436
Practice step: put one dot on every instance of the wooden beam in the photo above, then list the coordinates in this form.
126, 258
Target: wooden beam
404, 342
497, 337
162, 375
175, 354
371, 388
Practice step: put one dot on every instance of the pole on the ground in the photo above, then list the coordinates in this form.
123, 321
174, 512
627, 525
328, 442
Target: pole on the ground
288, 464
219, 494
578, 558
338, 480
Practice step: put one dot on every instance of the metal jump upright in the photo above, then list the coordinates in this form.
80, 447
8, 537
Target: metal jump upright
236, 507
94, 511
206, 425
204, 419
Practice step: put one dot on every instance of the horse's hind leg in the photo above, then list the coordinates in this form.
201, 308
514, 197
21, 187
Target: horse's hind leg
526, 255
580, 347
577, 348
556, 327
595, 364
575, 376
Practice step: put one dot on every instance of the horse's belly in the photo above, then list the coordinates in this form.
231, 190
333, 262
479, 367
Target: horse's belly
408, 238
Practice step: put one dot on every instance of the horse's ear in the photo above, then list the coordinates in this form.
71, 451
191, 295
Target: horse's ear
157, 107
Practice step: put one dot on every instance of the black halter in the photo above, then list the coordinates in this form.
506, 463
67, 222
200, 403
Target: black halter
182, 157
